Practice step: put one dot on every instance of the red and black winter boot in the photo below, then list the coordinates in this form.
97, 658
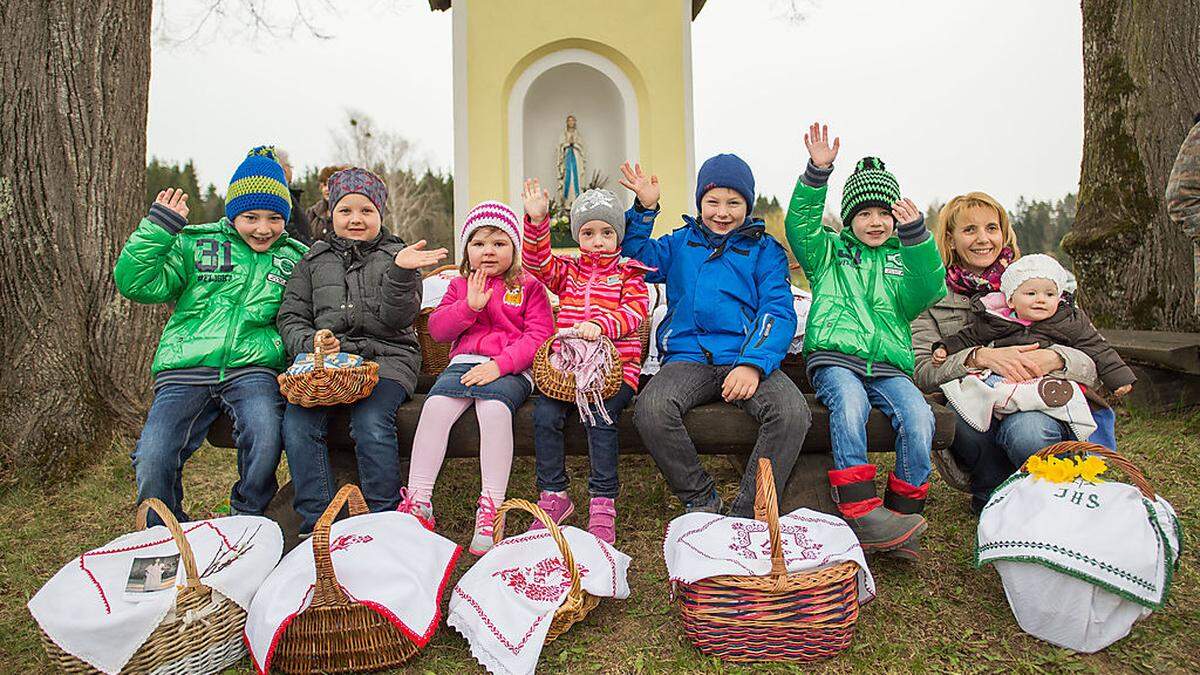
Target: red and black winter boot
903, 498
878, 528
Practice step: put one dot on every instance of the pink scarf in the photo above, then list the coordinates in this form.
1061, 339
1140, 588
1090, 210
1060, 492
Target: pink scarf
590, 363
961, 280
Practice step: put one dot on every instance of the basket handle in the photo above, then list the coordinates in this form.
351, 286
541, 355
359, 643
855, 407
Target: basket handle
766, 509
185, 549
328, 590
1083, 449
318, 353
439, 270
574, 592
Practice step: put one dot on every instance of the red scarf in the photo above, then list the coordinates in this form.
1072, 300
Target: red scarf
968, 283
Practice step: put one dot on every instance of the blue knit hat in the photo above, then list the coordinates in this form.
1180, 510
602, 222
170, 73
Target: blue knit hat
258, 183
726, 171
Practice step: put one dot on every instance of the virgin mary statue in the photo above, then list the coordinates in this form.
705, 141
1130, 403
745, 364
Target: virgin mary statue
570, 163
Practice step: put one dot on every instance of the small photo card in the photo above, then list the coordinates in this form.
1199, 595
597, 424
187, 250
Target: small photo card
151, 575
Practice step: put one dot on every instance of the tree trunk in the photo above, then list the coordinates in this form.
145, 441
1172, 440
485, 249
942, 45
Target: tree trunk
74, 80
1141, 89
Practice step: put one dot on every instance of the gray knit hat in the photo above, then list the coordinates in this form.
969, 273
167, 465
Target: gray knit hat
597, 204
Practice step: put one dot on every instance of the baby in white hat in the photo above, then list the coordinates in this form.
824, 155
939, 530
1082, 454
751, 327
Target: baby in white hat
1031, 308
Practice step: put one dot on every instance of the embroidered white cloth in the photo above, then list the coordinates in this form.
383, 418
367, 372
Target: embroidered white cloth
84, 608
978, 397
387, 561
1080, 562
504, 604
703, 545
435, 286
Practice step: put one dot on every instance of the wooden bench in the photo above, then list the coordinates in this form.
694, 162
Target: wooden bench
1167, 366
716, 428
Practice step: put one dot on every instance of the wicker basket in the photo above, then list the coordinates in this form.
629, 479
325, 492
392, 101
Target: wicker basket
435, 356
578, 602
177, 647
329, 386
1083, 449
804, 616
559, 385
335, 634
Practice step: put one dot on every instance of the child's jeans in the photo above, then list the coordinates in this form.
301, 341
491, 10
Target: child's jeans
177, 424
373, 428
548, 417
777, 405
850, 397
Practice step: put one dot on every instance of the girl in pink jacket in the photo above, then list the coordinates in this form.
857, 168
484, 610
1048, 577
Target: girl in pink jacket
496, 316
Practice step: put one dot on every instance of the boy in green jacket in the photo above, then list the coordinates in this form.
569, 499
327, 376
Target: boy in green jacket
220, 349
868, 282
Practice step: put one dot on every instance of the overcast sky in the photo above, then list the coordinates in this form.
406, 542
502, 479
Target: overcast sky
954, 95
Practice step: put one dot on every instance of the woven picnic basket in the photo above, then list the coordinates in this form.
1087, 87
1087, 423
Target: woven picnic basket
335, 634
435, 356
178, 646
329, 386
556, 384
578, 603
803, 616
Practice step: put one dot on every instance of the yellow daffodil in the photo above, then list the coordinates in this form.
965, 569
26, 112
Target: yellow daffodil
1052, 469
1090, 468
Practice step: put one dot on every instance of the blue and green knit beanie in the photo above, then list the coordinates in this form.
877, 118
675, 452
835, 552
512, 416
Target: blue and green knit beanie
871, 184
258, 183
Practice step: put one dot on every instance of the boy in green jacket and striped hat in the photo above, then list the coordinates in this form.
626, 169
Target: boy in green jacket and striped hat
220, 349
869, 281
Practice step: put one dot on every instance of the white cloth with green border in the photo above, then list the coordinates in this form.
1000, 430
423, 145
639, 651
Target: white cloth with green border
1080, 562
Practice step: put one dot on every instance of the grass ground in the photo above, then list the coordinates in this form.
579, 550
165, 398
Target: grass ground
940, 615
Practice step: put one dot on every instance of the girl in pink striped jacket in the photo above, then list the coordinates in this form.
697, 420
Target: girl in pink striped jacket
598, 294
496, 316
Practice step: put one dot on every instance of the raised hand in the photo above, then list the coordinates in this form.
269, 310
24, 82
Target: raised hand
905, 211
819, 149
415, 256
478, 293
644, 186
537, 200
174, 199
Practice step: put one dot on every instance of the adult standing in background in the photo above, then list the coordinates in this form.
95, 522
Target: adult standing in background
320, 222
297, 224
1183, 196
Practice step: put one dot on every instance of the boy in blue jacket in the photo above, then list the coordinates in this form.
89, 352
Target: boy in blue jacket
729, 322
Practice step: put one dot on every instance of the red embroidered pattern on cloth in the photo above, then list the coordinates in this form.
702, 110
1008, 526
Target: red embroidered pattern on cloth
801, 547
544, 582
100, 590
345, 541
492, 627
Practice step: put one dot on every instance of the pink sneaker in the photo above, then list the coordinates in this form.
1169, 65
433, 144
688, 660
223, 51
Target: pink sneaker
422, 509
557, 505
485, 515
602, 519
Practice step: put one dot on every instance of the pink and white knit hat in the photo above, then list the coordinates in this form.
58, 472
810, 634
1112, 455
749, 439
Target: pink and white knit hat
491, 214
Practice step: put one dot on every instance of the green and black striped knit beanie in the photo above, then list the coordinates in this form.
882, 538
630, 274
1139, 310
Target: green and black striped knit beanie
871, 184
